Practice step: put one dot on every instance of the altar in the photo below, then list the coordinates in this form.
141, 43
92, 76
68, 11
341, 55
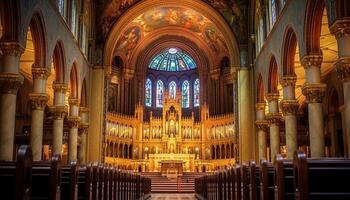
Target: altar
172, 164
171, 168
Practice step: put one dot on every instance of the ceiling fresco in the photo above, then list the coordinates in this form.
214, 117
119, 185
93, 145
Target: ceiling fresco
234, 12
169, 16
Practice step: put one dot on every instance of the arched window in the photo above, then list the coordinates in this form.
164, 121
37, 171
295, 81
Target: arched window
273, 11
185, 94
172, 59
61, 7
196, 93
160, 91
74, 17
172, 90
148, 93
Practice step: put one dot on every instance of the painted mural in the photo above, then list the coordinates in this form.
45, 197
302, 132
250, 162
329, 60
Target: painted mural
171, 16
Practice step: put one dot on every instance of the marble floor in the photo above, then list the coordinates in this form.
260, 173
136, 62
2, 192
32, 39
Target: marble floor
173, 196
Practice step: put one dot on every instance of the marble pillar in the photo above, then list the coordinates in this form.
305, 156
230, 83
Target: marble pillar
261, 126
289, 106
274, 117
341, 29
246, 135
58, 111
314, 92
10, 81
74, 122
38, 100
83, 128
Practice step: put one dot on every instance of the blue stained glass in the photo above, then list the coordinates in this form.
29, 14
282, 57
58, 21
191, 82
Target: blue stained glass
172, 59
172, 90
148, 95
185, 94
160, 91
196, 93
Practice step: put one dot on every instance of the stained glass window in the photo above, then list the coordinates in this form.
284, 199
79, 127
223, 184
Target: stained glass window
61, 7
172, 59
196, 93
273, 11
160, 91
148, 93
172, 90
185, 94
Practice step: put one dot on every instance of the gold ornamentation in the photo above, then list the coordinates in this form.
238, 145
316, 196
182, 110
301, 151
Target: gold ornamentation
83, 127
73, 121
10, 82
73, 101
341, 28
261, 124
129, 73
313, 60
260, 106
11, 49
273, 118
343, 69
288, 81
289, 107
314, 92
59, 87
40, 72
84, 110
272, 97
58, 112
38, 100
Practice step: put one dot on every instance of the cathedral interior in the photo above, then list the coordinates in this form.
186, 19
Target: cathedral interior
174, 86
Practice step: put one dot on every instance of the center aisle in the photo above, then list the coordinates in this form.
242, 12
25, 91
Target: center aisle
168, 196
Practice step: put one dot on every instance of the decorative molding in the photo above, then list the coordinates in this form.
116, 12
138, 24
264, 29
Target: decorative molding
289, 107
314, 92
288, 81
341, 28
273, 118
40, 72
272, 97
128, 73
10, 82
73, 101
260, 106
73, 121
38, 100
59, 87
11, 49
261, 124
312, 60
58, 112
84, 110
343, 69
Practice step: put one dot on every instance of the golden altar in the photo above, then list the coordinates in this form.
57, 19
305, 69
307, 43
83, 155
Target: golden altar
171, 164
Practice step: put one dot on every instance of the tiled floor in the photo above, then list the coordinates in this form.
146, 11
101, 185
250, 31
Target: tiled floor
173, 197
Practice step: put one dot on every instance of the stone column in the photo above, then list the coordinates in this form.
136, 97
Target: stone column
289, 106
246, 137
38, 100
58, 111
73, 121
341, 30
83, 128
273, 118
314, 92
10, 81
261, 126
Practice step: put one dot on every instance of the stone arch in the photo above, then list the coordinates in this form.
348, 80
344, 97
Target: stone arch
73, 82
10, 19
37, 30
59, 61
273, 76
83, 95
288, 52
260, 90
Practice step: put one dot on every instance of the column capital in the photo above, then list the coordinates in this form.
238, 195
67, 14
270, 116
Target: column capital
128, 73
215, 73
289, 107
40, 72
343, 69
73, 121
341, 28
272, 97
314, 92
261, 124
288, 81
83, 127
312, 60
59, 87
58, 112
260, 106
11, 49
273, 118
10, 82
38, 100
73, 101
84, 110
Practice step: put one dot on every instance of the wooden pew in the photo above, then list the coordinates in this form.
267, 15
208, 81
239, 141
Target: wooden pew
284, 179
245, 182
46, 180
15, 177
69, 182
238, 185
85, 182
321, 178
267, 181
255, 181
95, 181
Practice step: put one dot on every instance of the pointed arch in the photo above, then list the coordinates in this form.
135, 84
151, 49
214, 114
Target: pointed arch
160, 94
172, 90
10, 19
288, 52
59, 62
36, 27
260, 90
273, 76
73, 82
185, 94
83, 95
148, 92
196, 89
